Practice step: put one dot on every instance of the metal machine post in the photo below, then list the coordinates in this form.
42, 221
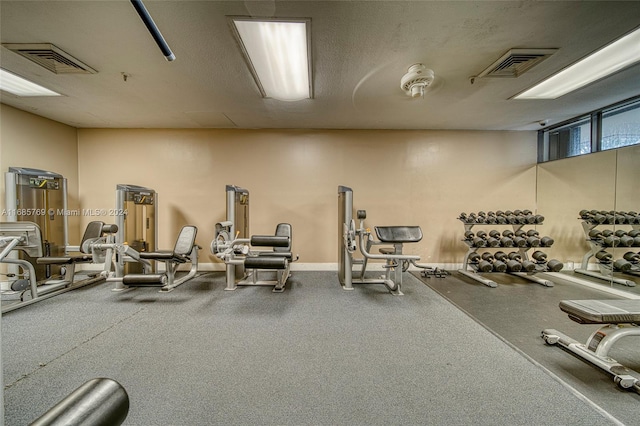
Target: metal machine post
238, 215
39, 196
136, 218
345, 216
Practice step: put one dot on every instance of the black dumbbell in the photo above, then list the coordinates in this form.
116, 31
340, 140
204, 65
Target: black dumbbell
512, 265
622, 265
625, 240
539, 256
595, 234
491, 218
636, 237
604, 257
532, 241
554, 265
546, 241
632, 257
474, 240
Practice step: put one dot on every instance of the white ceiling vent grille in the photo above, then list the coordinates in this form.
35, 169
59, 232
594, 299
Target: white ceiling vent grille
516, 62
51, 57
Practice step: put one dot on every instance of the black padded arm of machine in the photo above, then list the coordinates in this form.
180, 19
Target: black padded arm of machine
399, 234
269, 241
602, 311
265, 262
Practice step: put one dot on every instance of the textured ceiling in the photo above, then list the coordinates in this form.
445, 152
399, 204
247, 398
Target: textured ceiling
360, 51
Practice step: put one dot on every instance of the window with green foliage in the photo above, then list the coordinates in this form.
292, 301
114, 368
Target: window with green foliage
608, 128
621, 126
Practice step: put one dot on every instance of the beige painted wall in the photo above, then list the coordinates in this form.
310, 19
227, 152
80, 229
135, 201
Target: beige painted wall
421, 178
27, 140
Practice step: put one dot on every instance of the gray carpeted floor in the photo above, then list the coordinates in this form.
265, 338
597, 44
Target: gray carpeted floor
314, 354
518, 310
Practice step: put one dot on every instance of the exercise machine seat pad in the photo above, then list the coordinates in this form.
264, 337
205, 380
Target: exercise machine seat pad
163, 255
602, 311
180, 254
399, 234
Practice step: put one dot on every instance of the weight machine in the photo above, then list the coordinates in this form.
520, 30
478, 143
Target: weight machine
244, 264
26, 237
185, 250
352, 239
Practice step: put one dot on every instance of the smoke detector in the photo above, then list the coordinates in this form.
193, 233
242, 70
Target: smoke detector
417, 79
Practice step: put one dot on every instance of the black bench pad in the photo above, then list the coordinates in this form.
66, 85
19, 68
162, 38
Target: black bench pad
399, 234
163, 255
602, 311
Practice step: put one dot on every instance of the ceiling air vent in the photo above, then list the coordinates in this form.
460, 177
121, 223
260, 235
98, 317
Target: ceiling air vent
516, 62
50, 57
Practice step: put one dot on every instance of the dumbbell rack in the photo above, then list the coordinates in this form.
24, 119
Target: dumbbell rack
606, 269
472, 273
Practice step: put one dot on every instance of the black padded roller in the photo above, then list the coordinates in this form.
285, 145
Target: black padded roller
622, 265
269, 241
260, 262
144, 280
554, 265
110, 229
98, 402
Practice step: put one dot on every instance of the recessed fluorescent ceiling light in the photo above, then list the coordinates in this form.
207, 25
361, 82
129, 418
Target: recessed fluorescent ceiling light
620, 54
20, 87
277, 54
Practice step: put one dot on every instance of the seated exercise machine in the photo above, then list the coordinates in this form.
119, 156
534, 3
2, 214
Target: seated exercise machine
185, 250
351, 239
236, 248
239, 256
27, 237
620, 318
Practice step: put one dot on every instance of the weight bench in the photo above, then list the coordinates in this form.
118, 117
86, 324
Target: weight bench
621, 319
185, 250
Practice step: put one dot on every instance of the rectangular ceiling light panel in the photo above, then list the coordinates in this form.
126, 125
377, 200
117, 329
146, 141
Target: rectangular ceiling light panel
278, 55
612, 58
19, 86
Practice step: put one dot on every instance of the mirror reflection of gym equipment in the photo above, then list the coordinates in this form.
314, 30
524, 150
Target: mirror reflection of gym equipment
352, 239
39, 196
34, 241
26, 237
603, 242
243, 263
